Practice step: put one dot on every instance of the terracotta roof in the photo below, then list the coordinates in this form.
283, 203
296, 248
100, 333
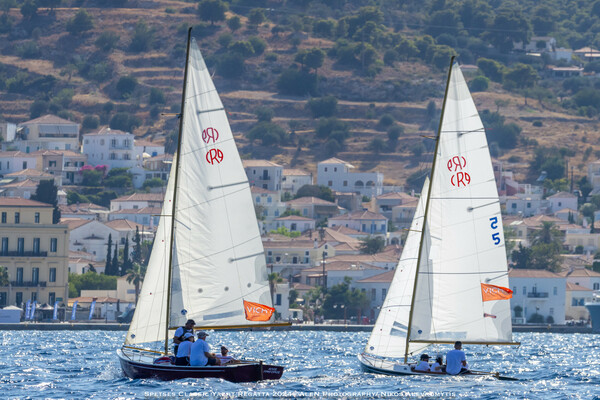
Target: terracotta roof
123, 225
386, 277
580, 273
358, 215
574, 287
74, 223
342, 266
331, 235
64, 153
30, 172
141, 197
531, 273
294, 171
105, 130
537, 220
563, 195
397, 195
19, 202
346, 247
334, 160
345, 230
144, 210
19, 184
310, 200
49, 119
294, 218
256, 189
259, 163
165, 157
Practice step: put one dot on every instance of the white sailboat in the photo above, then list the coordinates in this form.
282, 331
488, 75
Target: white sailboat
451, 282
207, 262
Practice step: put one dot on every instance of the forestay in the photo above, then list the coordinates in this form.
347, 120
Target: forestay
389, 335
463, 241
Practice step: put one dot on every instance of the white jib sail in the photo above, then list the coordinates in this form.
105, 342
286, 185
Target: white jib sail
389, 335
463, 241
218, 258
149, 320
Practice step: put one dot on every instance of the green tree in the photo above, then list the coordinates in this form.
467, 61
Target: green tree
282, 230
29, 9
4, 278
212, 10
136, 255
47, 192
90, 281
256, 16
143, 38
320, 191
234, 23
127, 262
157, 96
509, 25
372, 245
126, 85
114, 264
549, 234
354, 300
107, 41
80, 23
135, 275
589, 210
520, 76
377, 146
310, 58
491, 69
108, 269
322, 106
91, 178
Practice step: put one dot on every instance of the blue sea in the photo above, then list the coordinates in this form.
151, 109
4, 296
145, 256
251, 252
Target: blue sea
84, 365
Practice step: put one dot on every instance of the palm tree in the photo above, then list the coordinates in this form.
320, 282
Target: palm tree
135, 275
274, 278
547, 234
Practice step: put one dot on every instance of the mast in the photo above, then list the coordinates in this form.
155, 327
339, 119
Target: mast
437, 144
177, 164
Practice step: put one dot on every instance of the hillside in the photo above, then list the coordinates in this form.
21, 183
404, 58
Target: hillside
77, 74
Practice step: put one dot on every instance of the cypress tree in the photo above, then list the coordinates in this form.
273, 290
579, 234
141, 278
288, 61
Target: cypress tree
126, 260
108, 267
115, 261
137, 248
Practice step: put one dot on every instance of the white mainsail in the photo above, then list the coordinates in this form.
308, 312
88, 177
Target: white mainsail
217, 255
463, 240
389, 335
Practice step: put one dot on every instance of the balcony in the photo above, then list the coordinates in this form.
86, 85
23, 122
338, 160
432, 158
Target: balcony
27, 284
537, 295
23, 254
264, 178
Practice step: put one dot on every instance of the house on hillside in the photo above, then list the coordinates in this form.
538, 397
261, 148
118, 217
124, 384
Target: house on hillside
364, 221
335, 174
264, 174
47, 132
294, 179
313, 207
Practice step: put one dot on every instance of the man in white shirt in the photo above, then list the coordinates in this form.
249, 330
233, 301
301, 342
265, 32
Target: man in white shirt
423, 366
456, 361
200, 354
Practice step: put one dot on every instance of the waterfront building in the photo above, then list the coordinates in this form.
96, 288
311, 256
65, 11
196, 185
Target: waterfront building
538, 295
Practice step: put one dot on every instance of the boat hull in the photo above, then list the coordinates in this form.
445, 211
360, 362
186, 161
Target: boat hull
594, 310
244, 372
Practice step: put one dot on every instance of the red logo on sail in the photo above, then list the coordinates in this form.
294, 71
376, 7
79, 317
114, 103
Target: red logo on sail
458, 163
257, 312
214, 155
486, 315
493, 292
210, 133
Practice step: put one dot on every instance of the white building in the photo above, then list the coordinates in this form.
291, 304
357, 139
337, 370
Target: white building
14, 161
147, 216
537, 291
376, 288
337, 271
269, 205
294, 179
295, 223
562, 200
22, 189
148, 149
264, 174
335, 174
363, 221
137, 201
89, 236
526, 205
48, 132
111, 147
594, 174
313, 207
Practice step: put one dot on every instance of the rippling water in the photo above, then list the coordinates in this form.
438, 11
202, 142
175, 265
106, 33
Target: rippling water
83, 365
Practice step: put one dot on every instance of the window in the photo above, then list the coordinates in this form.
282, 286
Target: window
573, 301
335, 169
257, 199
528, 205
19, 299
126, 156
3, 217
555, 291
51, 298
551, 311
52, 163
514, 289
17, 218
345, 183
3, 299
278, 299
383, 294
53, 245
596, 286
269, 199
373, 294
37, 218
513, 206
4, 245
35, 275
524, 290
52, 275
325, 169
36, 245
24, 164
19, 276
329, 183
113, 142
113, 156
21, 245
33, 296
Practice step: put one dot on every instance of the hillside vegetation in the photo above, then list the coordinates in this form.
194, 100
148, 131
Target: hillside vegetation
305, 80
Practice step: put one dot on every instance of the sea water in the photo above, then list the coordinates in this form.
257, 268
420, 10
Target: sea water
318, 364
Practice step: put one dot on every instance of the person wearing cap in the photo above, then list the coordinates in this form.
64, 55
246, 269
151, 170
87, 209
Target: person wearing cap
223, 357
179, 332
200, 354
183, 351
423, 365
456, 361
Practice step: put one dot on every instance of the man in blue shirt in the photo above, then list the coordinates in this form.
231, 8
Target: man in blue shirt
456, 361
200, 354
